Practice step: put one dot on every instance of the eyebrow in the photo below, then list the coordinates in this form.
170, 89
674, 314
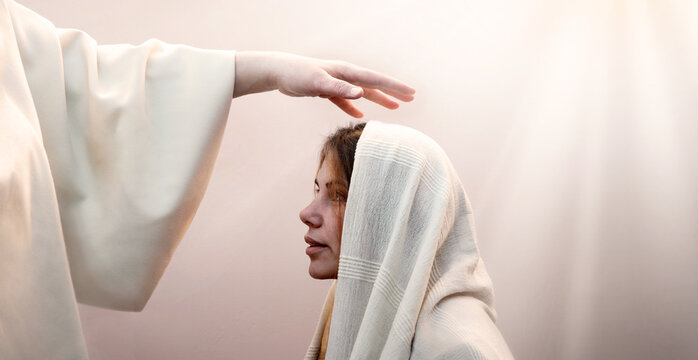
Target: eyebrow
330, 183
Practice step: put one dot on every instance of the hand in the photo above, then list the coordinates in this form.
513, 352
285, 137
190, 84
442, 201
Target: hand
337, 81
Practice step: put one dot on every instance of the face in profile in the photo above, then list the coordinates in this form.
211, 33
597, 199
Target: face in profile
324, 216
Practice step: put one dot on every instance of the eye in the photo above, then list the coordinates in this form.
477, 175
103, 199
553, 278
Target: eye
339, 196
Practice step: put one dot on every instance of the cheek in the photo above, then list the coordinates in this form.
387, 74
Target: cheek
334, 224
339, 227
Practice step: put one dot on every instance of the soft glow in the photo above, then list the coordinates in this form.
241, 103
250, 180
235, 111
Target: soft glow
571, 123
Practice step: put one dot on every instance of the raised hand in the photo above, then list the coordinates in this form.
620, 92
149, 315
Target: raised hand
337, 81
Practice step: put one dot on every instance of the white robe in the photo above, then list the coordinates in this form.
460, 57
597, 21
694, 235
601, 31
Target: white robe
411, 282
105, 152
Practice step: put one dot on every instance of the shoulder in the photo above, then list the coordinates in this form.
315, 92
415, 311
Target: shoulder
459, 330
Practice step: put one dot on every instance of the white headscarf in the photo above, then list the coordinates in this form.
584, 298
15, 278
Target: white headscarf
411, 283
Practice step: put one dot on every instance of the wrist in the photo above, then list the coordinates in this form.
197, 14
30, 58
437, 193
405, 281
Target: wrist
254, 72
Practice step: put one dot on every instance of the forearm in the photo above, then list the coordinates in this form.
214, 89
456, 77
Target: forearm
254, 72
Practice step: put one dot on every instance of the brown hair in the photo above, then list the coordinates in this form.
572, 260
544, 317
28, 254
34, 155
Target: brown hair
341, 146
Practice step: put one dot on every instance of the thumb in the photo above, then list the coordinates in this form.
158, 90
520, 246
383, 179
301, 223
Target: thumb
333, 87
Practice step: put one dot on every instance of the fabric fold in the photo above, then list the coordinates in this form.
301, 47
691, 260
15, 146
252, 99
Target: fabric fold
105, 153
131, 134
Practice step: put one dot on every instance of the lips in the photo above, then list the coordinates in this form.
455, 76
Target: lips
314, 246
312, 242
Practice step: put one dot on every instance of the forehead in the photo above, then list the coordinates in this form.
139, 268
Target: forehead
329, 171
326, 171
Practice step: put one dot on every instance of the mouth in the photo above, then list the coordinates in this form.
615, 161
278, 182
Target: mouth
312, 242
313, 246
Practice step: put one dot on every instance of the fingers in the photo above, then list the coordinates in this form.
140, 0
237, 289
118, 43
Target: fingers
370, 94
379, 98
341, 82
370, 79
330, 87
347, 107
341, 89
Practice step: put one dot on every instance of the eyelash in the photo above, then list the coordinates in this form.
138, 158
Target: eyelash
337, 196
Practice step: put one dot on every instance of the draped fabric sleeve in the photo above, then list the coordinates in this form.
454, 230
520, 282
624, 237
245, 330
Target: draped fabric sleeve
131, 134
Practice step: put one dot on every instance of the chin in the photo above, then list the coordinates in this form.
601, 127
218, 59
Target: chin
321, 274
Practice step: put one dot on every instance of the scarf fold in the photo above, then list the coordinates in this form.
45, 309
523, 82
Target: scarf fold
411, 283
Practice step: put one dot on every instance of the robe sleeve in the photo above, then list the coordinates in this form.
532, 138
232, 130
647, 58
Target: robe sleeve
131, 134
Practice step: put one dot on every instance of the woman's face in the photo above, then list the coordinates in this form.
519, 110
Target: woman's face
324, 216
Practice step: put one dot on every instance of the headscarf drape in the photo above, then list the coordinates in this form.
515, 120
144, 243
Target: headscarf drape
411, 282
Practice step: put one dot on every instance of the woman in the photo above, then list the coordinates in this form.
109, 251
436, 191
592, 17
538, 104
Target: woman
410, 280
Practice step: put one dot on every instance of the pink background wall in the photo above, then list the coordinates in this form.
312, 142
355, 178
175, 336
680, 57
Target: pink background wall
571, 124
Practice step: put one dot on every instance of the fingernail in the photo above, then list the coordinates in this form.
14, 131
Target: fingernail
355, 92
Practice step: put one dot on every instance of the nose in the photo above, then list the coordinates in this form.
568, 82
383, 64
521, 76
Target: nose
309, 216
